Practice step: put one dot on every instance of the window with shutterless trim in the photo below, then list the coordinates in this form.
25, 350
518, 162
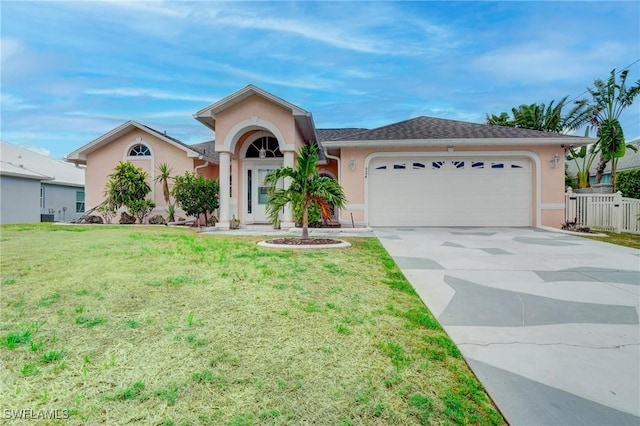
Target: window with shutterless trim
139, 150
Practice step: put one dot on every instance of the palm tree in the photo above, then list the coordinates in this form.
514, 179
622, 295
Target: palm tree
164, 175
306, 188
609, 100
500, 120
544, 118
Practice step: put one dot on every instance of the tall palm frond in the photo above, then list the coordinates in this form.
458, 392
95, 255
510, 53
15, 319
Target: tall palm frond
306, 188
609, 100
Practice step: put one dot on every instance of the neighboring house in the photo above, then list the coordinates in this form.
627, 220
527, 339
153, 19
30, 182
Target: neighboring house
35, 188
630, 161
419, 172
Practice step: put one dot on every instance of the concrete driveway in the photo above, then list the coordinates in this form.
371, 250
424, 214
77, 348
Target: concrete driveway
547, 321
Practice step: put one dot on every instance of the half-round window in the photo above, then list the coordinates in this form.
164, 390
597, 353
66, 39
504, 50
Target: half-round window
264, 147
139, 150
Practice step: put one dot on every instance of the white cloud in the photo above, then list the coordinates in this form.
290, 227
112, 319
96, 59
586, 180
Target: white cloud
170, 114
546, 61
302, 81
350, 26
151, 93
360, 74
14, 103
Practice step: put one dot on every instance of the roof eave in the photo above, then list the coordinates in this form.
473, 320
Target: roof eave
62, 183
207, 118
79, 156
198, 156
459, 142
25, 176
305, 123
77, 159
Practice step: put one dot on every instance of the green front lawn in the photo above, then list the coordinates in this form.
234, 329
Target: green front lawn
622, 239
157, 325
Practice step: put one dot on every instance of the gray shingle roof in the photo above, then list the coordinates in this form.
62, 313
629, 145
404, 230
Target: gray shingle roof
335, 134
206, 148
438, 128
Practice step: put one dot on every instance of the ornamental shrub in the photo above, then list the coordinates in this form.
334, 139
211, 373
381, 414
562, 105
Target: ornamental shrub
628, 182
196, 195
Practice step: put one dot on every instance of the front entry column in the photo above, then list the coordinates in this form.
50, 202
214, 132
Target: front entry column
287, 217
224, 179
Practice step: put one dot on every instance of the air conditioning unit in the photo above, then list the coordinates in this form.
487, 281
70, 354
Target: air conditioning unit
46, 218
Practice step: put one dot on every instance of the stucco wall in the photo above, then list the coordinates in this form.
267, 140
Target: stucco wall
19, 200
100, 164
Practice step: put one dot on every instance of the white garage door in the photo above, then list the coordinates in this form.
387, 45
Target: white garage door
432, 191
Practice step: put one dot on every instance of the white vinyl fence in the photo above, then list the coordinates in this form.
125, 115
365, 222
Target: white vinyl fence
604, 212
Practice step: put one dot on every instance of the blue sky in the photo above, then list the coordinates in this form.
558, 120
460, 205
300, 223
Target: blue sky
72, 71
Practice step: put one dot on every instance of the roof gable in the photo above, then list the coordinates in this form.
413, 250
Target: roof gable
242, 94
79, 156
303, 118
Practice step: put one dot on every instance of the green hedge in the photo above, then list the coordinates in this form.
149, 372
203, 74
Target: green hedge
628, 182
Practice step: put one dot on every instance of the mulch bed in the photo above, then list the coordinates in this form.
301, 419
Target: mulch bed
303, 241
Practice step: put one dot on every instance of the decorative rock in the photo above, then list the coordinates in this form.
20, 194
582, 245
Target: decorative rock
93, 219
157, 220
127, 219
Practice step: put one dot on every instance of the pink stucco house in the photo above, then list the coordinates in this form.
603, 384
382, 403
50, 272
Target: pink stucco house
419, 172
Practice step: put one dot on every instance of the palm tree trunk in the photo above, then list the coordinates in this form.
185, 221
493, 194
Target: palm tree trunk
305, 222
614, 166
602, 164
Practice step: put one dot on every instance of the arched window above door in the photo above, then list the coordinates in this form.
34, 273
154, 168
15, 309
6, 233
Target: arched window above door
139, 150
264, 147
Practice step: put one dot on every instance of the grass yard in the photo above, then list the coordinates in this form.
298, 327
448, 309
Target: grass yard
156, 325
622, 239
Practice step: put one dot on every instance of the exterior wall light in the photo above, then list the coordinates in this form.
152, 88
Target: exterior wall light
554, 161
352, 164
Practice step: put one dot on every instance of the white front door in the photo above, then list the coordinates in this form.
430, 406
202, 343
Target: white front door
259, 190
256, 191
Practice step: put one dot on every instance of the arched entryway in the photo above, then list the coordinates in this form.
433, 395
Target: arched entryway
261, 154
